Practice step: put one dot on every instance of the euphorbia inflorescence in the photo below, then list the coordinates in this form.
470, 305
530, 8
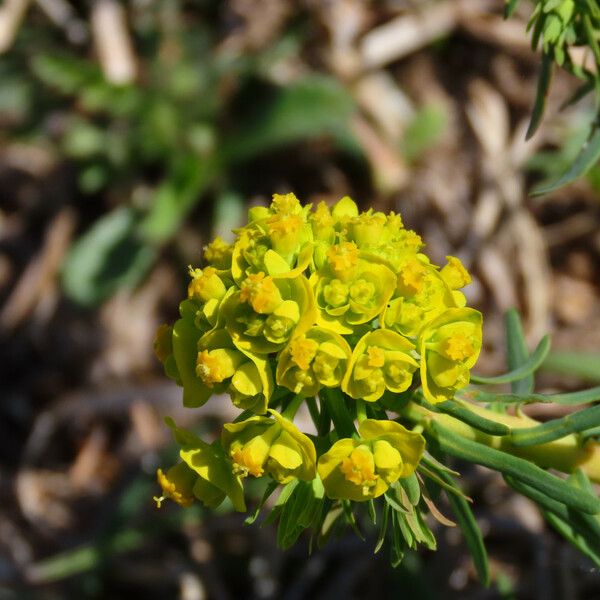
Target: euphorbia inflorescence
301, 305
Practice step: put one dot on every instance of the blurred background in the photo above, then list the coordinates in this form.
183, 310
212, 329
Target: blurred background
132, 133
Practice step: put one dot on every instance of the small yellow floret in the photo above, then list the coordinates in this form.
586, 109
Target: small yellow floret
205, 284
176, 484
303, 351
359, 468
286, 204
211, 367
218, 253
411, 276
376, 357
343, 257
458, 347
245, 463
261, 293
322, 215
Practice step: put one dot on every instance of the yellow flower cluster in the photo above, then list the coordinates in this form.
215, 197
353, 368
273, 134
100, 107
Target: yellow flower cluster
312, 301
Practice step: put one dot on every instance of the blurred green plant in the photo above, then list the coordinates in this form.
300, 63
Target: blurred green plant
165, 142
559, 27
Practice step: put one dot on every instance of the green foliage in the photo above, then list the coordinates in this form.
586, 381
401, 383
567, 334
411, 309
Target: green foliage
557, 26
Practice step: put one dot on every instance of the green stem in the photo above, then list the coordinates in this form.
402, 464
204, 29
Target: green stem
292, 408
565, 454
361, 410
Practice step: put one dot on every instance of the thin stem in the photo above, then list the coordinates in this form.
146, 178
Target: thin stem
292, 408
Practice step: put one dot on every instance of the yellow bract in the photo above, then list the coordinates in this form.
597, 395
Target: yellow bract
363, 469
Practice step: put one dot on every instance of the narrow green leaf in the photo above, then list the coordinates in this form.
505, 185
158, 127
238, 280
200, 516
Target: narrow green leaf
398, 543
392, 499
382, 527
510, 7
517, 467
403, 530
436, 477
273, 485
578, 364
517, 352
590, 34
587, 158
460, 410
412, 488
351, 519
466, 521
335, 402
544, 79
570, 398
535, 360
566, 529
582, 530
555, 429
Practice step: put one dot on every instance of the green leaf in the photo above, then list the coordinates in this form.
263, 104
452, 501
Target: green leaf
544, 79
310, 107
273, 485
335, 402
535, 360
578, 364
177, 195
555, 429
412, 488
587, 158
510, 7
570, 398
423, 131
568, 531
460, 410
382, 527
108, 257
517, 352
516, 467
466, 521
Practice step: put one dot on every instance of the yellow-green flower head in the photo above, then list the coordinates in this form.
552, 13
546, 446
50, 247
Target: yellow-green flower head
275, 446
264, 315
221, 367
279, 245
313, 360
177, 484
323, 224
343, 210
454, 274
212, 472
421, 295
449, 347
351, 290
381, 360
363, 469
287, 204
205, 285
259, 290
218, 254
368, 229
